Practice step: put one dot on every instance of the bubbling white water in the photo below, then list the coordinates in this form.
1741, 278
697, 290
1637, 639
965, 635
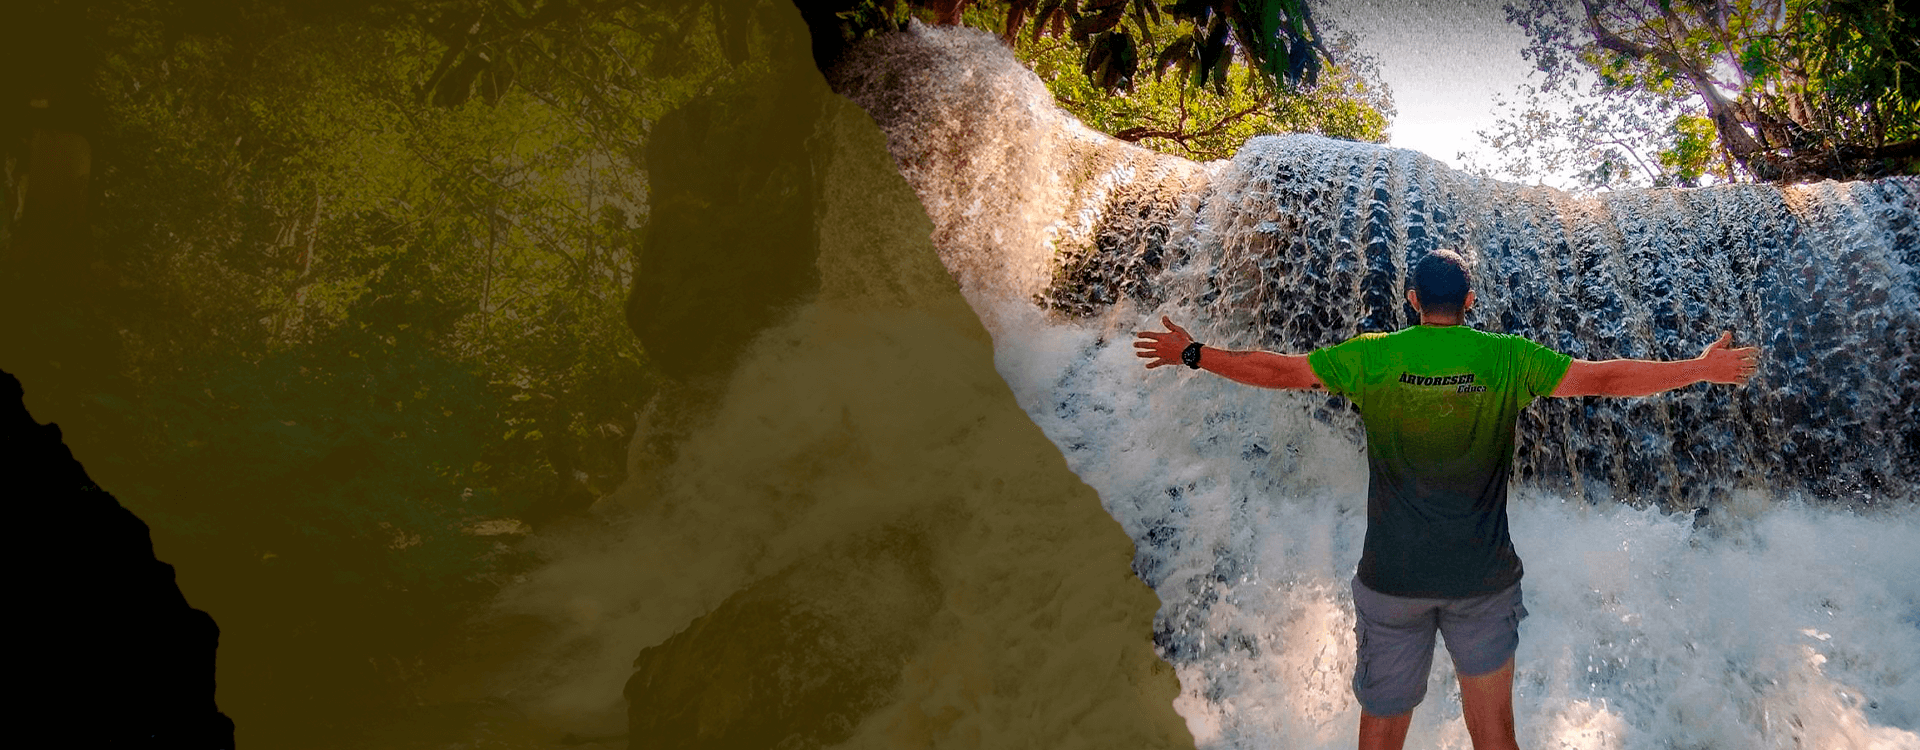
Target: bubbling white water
1791, 620
1791, 626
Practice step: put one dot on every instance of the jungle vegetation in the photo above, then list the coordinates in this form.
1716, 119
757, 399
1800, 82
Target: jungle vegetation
1686, 92
336, 296
337, 306
1194, 79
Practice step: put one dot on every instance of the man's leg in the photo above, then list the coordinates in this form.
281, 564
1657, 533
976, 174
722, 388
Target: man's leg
1394, 644
1487, 702
1482, 634
1383, 732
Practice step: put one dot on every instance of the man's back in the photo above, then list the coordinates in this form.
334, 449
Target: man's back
1439, 403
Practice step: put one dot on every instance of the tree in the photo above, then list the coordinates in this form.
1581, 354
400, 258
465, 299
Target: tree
1276, 39
1194, 79
1793, 90
1602, 138
1170, 111
364, 296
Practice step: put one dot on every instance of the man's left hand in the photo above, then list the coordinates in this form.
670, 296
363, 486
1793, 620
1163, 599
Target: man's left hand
1162, 347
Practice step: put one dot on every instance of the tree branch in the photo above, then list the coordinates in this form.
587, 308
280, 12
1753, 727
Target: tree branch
1725, 120
1181, 136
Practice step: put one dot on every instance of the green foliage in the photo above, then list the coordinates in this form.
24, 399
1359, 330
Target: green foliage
1600, 138
1691, 156
370, 293
1193, 79
517, 217
1183, 109
1275, 39
1795, 89
352, 458
1862, 67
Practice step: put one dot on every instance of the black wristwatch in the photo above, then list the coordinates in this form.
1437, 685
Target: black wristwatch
1190, 356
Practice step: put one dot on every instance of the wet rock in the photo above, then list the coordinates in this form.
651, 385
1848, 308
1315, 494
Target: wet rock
794, 661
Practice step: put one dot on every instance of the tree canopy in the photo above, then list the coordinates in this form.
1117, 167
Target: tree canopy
1676, 92
1194, 79
362, 268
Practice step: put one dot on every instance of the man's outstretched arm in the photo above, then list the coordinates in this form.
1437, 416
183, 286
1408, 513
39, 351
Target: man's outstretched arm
1720, 363
1257, 368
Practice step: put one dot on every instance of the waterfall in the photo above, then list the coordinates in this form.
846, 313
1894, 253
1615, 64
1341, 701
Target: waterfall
1711, 567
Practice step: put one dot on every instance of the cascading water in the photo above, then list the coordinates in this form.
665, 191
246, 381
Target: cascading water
1781, 611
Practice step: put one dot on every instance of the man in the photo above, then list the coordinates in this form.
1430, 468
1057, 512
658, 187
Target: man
1439, 401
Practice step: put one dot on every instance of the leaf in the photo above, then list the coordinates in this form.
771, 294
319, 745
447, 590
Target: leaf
1098, 23
1221, 67
1180, 51
1017, 13
1754, 59
1122, 63
1140, 8
1214, 50
733, 32
1097, 53
1050, 13
1296, 17
1299, 60
1197, 10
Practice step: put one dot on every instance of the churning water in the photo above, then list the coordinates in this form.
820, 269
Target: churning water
1715, 567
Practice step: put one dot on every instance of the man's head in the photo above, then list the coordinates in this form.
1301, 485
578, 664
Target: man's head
1440, 286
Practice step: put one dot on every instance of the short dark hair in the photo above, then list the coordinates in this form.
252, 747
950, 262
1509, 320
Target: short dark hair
1441, 281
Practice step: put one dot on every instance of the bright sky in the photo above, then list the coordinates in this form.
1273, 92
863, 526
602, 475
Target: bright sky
1444, 62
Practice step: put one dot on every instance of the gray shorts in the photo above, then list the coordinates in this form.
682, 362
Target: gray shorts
1394, 636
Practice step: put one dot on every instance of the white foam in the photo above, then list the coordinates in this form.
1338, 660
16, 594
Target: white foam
1787, 626
1246, 506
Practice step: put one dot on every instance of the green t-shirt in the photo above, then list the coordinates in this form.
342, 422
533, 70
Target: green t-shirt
1439, 403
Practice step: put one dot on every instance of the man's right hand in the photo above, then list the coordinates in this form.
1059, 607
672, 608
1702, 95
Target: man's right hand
1725, 364
1256, 368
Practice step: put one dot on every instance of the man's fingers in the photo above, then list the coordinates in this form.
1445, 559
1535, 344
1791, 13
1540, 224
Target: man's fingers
1726, 340
1746, 363
1168, 322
